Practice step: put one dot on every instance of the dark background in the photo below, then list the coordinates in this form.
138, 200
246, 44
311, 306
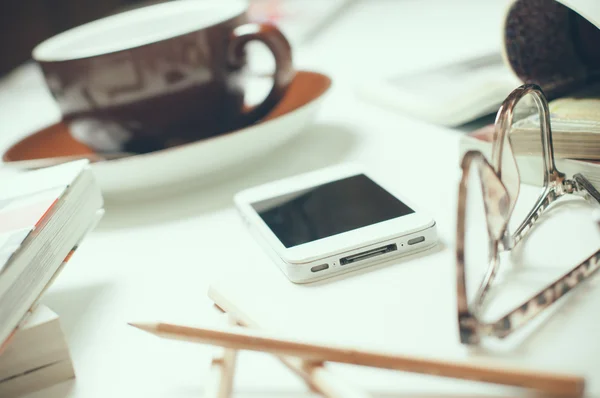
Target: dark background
25, 23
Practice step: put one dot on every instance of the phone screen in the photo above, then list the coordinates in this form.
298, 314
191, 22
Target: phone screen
329, 209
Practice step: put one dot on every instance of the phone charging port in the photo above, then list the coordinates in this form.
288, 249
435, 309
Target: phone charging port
368, 254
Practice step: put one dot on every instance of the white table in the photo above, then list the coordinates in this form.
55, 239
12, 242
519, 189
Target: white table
155, 260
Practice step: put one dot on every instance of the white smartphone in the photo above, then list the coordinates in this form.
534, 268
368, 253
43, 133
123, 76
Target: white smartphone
334, 220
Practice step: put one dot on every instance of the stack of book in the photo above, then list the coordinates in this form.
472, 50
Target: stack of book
575, 127
530, 162
37, 357
44, 216
575, 122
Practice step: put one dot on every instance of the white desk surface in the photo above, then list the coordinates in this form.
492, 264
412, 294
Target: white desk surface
155, 260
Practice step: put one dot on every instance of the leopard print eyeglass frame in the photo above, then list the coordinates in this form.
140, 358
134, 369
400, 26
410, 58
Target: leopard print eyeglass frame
499, 187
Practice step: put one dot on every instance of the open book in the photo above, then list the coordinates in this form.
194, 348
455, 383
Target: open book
549, 43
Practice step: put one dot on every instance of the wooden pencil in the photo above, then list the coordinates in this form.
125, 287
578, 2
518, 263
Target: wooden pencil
315, 374
556, 384
222, 369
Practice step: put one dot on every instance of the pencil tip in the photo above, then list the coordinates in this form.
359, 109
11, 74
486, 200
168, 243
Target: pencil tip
148, 327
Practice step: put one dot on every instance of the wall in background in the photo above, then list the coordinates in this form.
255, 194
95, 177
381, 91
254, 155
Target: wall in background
25, 23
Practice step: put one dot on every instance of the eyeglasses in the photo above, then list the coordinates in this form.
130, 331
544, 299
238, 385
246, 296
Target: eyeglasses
494, 190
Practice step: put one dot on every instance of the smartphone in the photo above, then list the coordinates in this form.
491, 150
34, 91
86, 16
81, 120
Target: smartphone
332, 221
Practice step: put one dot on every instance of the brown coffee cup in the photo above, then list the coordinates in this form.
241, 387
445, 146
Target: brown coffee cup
161, 75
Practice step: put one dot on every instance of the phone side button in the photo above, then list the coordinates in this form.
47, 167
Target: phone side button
318, 268
416, 240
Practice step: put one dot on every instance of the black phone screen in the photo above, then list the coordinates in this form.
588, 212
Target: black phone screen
329, 209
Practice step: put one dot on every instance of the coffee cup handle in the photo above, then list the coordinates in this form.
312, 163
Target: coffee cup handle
282, 52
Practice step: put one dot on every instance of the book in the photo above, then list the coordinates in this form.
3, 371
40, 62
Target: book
575, 123
38, 356
44, 216
551, 44
449, 95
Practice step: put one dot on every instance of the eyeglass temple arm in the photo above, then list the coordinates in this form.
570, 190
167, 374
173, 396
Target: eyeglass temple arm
540, 207
583, 184
567, 282
546, 297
